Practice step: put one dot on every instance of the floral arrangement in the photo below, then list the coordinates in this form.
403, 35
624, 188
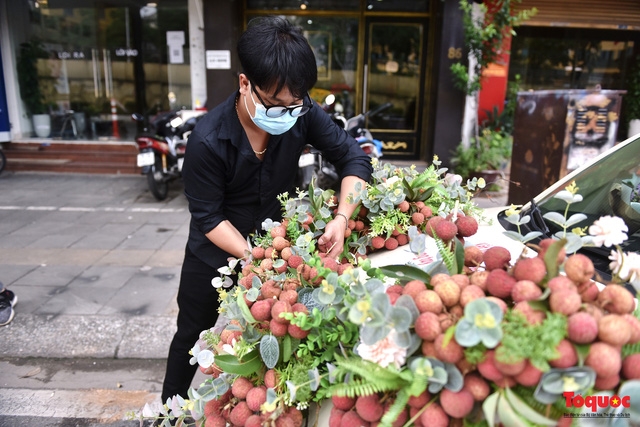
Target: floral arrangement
470, 339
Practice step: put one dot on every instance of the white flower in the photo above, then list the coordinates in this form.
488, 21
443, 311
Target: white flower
384, 352
452, 179
229, 349
391, 181
608, 231
626, 265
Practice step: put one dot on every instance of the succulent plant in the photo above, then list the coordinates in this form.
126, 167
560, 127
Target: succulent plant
481, 323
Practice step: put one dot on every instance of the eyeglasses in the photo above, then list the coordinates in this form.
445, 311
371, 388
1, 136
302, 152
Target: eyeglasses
280, 110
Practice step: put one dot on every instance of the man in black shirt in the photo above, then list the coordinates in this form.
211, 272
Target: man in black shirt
240, 157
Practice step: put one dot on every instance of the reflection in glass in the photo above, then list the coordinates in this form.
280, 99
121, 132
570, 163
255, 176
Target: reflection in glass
394, 74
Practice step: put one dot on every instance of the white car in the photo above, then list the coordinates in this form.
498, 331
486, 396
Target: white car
609, 185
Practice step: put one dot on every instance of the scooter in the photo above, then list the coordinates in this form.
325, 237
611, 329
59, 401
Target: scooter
312, 164
162, 144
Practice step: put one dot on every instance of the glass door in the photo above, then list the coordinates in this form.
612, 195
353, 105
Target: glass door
393, 84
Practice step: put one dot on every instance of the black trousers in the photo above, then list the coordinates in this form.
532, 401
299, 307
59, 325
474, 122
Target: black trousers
198, 310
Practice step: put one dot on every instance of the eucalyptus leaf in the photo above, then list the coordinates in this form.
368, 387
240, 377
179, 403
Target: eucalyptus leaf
405, 272
244, 308
555, 217
575, 219
409, 303
399, 318
269, 351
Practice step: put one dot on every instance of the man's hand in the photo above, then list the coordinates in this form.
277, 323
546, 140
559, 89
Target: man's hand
332, 241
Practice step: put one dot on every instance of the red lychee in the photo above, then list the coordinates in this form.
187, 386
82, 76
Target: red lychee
369, 407
477, 386
240, 413
567, 355
634, 324
565, 302
604, 359
456, 405
446, 230
582, 328
256, 397
377, 242
417, 218
351, 419
534, 317
467, 226
420, 400
631, 367
500, 283
343, 402
391, 243
525, 290
241, 387
434, 416
261, 310
278, 308
432, 223
413, 288
530, 376
496, 257
452, 352
470, 293
427, 326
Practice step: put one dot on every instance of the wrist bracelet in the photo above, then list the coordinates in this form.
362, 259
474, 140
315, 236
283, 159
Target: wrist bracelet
346, 219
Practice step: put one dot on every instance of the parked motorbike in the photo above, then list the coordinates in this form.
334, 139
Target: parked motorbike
162, 144
313, 165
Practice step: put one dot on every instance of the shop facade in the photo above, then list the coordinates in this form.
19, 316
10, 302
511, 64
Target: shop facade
100, 61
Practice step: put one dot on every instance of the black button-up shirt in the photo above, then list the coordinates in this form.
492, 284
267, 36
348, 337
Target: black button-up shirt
224, 180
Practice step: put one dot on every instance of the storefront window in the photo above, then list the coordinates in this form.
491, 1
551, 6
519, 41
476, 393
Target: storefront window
310, 5
548, 58
103, 59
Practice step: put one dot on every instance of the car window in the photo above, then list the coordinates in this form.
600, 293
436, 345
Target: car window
609, 186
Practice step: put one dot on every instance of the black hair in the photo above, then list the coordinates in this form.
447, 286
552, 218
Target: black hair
275, 54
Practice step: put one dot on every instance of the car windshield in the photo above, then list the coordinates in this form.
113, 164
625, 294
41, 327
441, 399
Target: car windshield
609, 185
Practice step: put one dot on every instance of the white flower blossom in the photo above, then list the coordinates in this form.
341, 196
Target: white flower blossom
626, 265
452, 179
384, 352
229, 349
608, 231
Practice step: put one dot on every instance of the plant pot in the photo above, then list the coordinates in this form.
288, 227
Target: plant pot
490, 176
42, 125
634, 127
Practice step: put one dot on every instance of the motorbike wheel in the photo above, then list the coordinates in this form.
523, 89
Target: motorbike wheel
158, 184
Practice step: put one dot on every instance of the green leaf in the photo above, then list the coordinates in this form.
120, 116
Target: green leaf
527, 411
287, 350
248, 365
555, 217
551, 257
244, 308
269, 351
489, 408
508, 416
459, 256
405, 273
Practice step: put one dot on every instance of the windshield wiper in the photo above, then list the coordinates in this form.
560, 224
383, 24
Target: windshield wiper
537, 221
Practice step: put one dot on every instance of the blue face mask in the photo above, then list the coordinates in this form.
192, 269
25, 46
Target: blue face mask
271, 125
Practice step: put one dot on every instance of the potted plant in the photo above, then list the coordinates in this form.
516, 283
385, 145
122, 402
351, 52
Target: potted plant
30, 91
486, 156
631, 100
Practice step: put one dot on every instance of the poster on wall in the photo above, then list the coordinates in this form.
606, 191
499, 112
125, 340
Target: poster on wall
591, 126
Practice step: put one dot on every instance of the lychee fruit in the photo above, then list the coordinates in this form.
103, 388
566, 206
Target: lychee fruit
432, 223
582, 328
351, 419
413, 288
496, 257
420, 400
427, 326
477, 386
530, 376
240, 413
470, 293
616, 299
500, 283
278, 308
456, 405
544, 246
534, 317
525, 290
434, 416
579, 268
261, 310
344, 403
614, 329
473, 256
417, 218
567, 355
452, 352
631, 367
604, 359
428, 300
467, 226
449, 292
391, 243
532, 269
241, 387
369, 407
446, 230
634, 323
256, 397
561, 283
565, 302
377, 242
